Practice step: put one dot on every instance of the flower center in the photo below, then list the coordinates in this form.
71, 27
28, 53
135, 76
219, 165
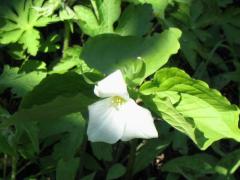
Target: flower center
118, 101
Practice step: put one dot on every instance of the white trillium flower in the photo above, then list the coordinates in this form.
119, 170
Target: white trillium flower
117, 116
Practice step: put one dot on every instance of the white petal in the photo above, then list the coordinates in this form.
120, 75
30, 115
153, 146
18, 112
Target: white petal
139, 122
104, 124
112, 85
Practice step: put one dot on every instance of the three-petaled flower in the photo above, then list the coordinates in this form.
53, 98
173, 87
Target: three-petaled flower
117, 116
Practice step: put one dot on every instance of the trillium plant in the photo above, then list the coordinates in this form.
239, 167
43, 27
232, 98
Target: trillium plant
119, 89
117, 116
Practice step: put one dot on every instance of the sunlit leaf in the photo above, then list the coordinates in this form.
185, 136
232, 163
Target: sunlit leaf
22, 82
109, 52
192, 107
20, 22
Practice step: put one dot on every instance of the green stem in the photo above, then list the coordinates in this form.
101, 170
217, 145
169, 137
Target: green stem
67, 35
80, 154
131, 160
14, 168
5, 159
95, 9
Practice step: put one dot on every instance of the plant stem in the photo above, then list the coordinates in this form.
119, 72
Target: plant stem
131, 159
67, 34
5, 159
14, 168
80, 154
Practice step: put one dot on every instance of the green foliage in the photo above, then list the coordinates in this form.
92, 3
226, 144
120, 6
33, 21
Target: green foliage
102, 151
67, 169
20, 20
135, 20
118, 51
53, 53
191, 167
116, 171
100, 19
192, 107
23, 80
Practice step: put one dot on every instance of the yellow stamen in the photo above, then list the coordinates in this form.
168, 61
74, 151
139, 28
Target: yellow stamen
118, 101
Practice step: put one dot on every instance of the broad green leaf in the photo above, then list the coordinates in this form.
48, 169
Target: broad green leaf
67, 169
109, 52
229, 163
135, 20
100, 18
165, 109
192, 107
67, 84
102, 151
20, 20
22, 82
116, 171
191, 167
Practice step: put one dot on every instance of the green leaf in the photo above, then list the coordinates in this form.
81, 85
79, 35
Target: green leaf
100, 19
108, 11
229, 163
89, 177
116, 51
59, 116
191, 167
22, 82
90, 163
102, 151
158, 6
192, 107
135, 20
87, 20
32, 132
149, 151
20, 20
5, 147
68, 84
50, 44
72, 129
67, 169
71, 59
116, 171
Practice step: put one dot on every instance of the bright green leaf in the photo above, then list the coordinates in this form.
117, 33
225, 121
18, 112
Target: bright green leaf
100, 19
192, 107
20, 26
21, 82
135, 20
